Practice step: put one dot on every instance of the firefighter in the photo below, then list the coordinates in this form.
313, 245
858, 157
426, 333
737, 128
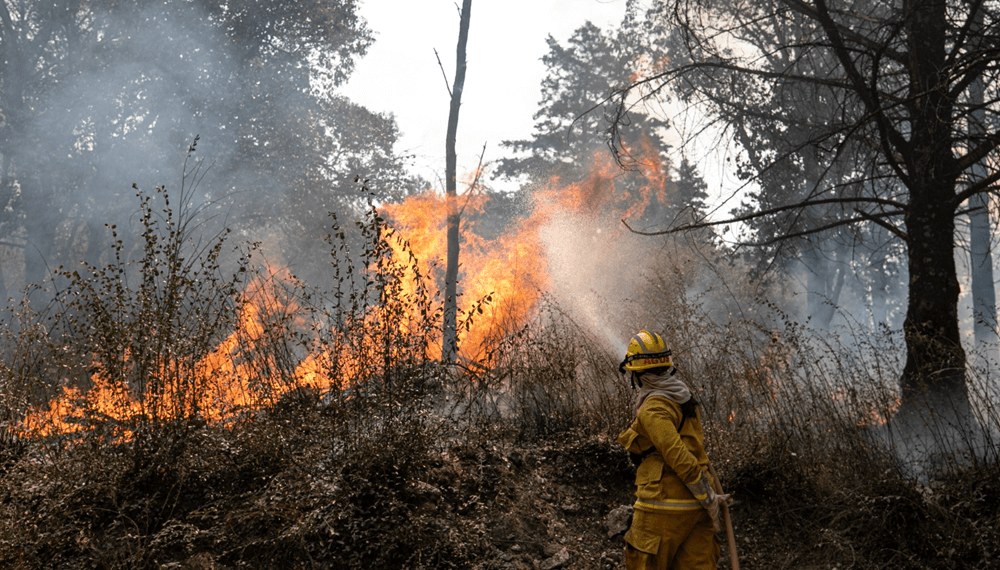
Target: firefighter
676, 512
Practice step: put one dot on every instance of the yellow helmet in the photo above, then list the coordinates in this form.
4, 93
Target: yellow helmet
646, 350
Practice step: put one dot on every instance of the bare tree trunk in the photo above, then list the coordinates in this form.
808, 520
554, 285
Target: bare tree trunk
6, 201
826, 274
449, 348
984, 311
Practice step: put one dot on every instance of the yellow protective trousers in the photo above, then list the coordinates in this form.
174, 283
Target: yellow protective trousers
675, 540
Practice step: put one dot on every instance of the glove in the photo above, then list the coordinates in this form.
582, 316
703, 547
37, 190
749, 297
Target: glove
707, 498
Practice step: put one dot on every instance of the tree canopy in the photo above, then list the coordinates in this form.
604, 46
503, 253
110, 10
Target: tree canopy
569, 136
99, 95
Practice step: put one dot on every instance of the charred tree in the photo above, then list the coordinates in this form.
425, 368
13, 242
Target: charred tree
449, 348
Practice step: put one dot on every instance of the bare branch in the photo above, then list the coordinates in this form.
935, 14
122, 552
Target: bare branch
792, 207
443, 73
878, 221
813, 12
980, 186
475, 181
892, 139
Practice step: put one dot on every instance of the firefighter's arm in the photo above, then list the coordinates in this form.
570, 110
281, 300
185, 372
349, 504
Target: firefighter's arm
659, 418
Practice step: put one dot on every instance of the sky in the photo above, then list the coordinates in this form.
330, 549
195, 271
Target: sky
400, 74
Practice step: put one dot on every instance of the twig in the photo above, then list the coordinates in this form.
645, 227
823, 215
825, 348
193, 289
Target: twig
475, 181
443, 74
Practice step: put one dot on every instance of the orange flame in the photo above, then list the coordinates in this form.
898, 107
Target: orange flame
510, 272
501, 283
233, 377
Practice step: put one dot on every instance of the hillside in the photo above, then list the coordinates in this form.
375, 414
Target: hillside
293, 488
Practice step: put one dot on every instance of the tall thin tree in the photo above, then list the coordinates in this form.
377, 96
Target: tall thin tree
450, 328
984, 312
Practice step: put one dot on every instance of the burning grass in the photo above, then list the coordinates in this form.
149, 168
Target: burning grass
214, 419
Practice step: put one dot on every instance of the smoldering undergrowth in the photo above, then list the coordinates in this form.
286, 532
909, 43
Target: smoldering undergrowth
801, 424
316, 427
171, 410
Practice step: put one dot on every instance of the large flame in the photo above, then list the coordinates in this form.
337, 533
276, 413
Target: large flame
500, 280
236, 376
501, 283
514, 270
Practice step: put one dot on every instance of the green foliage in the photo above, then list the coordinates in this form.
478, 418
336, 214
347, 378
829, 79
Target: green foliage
581, 76
89, 100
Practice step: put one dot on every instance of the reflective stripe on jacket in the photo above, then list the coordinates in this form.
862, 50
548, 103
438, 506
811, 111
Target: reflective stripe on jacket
678, 458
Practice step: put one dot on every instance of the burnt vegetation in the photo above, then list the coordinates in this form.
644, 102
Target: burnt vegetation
402, 462
172, 399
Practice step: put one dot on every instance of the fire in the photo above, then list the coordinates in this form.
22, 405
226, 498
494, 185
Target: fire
878, 417
217, 387
513, 270
508, 273
501, 283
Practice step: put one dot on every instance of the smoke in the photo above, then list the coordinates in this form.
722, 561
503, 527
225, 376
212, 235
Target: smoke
133, 104
130, 86
120, 104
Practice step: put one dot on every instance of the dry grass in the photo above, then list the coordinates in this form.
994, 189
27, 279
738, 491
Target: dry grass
404, 463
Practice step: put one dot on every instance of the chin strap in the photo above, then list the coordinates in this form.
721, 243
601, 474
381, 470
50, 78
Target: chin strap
664, 356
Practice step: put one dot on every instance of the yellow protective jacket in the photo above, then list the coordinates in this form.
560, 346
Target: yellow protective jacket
678, 458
